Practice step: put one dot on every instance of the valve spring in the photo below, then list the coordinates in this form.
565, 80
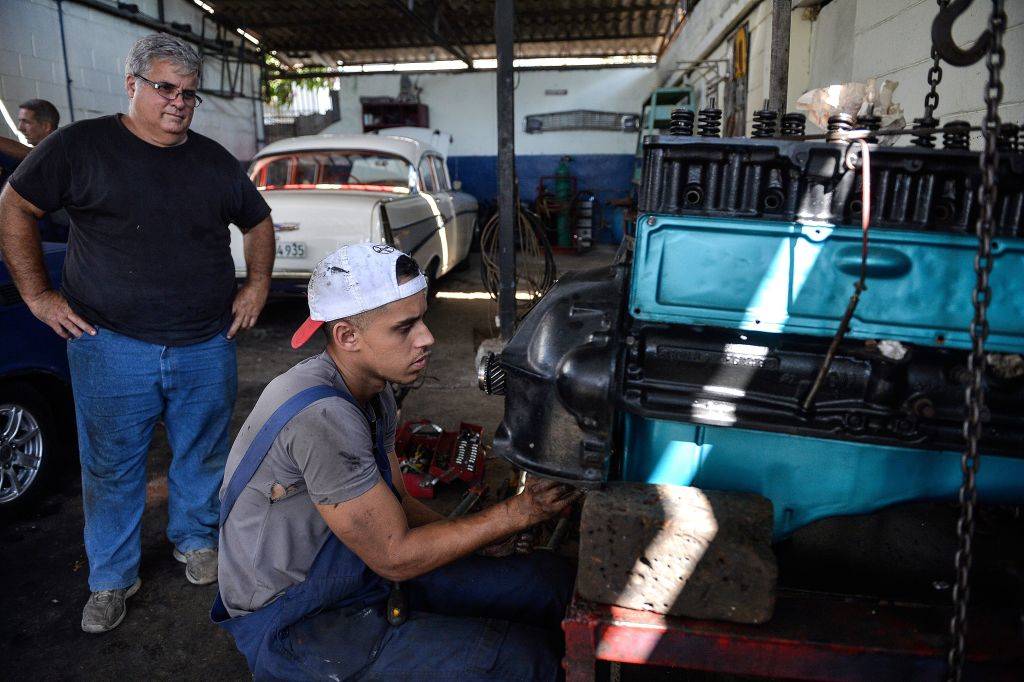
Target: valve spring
710, 120
956, 135
765, 122
925, 140
1008, 139
872, 123
839, 123
681, 123
794, 124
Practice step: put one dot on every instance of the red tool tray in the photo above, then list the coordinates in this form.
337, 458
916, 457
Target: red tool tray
426, 452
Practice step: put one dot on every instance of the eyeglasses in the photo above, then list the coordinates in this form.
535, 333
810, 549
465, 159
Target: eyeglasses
170, 92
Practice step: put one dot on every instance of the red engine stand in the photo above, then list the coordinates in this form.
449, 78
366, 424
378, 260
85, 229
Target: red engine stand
812, 636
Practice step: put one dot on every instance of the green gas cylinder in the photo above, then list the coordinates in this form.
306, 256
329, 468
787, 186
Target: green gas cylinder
563, 194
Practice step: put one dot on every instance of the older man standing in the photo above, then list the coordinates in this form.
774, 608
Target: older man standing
148, 304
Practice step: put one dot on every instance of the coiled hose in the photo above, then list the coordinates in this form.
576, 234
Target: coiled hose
535, 262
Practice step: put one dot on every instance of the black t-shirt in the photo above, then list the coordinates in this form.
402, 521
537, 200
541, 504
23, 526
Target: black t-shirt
149, 248
7, 166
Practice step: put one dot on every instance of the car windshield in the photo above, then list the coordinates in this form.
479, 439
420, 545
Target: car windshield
335, 169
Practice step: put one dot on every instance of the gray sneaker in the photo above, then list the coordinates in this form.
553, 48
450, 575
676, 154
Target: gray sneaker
200, 565
106, 609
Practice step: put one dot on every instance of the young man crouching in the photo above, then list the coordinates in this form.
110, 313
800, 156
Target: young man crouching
317, 528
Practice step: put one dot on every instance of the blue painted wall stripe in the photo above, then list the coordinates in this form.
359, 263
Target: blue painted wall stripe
608, 176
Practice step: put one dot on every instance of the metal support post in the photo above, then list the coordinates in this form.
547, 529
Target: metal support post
778, 80
504, 32
64, 51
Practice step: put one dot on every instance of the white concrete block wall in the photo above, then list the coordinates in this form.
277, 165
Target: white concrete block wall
465, 104
706, 27
853, 40
708, 33
32, 65
892, 39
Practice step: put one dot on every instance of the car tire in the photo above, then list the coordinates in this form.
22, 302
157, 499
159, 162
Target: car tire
29, 446
462, 265
432, 284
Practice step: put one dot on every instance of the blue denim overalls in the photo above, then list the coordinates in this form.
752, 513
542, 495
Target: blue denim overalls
337, 578
478, 618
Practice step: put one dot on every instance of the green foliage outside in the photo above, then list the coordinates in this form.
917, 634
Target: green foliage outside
280, 92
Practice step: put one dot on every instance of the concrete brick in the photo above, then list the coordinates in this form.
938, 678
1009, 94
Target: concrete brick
27, 16
680, 551
15, 89
44, 70
58, 95
871, 13
894, 44
9, 63
98, 81
15, 33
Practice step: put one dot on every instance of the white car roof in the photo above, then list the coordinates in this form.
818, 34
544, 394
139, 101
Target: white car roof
407, 148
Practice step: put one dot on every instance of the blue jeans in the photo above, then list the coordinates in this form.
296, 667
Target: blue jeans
476, 619
122, 388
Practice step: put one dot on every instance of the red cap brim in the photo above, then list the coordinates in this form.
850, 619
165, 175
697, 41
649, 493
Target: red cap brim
303, 333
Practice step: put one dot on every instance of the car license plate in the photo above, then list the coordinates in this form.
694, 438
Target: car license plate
291, 250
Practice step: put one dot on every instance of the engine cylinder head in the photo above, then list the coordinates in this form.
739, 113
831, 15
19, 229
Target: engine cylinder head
765, 122
925, 140
681, 122
1008, 138
794, 124
956, 135
710, 120
870, 122
838, 124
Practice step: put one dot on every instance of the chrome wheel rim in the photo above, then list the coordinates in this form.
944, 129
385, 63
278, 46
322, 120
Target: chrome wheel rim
21, 451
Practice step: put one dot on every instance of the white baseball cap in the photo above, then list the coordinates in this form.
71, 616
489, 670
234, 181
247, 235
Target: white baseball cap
352, 280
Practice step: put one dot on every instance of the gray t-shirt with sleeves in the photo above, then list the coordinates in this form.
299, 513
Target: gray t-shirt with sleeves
324, 455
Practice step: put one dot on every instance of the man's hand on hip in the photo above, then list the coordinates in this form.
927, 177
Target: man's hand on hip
53, 309
249, 302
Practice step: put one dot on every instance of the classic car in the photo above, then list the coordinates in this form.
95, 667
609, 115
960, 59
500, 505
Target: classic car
37, 414
329, 190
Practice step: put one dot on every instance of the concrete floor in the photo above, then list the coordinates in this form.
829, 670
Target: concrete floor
167, 634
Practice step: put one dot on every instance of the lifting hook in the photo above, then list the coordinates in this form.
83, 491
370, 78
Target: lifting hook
942, 36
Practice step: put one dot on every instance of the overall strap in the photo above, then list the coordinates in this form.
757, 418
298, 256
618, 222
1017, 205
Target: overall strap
381, 457
260, 445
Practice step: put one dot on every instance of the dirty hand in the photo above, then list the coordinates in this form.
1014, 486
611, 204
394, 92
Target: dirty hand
248, 303
53, 309
543, 498
517, 543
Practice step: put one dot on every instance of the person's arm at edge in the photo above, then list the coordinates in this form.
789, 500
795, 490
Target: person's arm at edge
13, 148
23, 254
374, 526
258, 247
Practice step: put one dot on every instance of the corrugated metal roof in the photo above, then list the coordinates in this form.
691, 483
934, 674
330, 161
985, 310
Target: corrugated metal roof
375, 31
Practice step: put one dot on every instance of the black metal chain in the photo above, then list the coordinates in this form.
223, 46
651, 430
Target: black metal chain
975, 392
931, 100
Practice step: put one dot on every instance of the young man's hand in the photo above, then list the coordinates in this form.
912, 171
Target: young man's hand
517, 543
543, 498
53, 309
